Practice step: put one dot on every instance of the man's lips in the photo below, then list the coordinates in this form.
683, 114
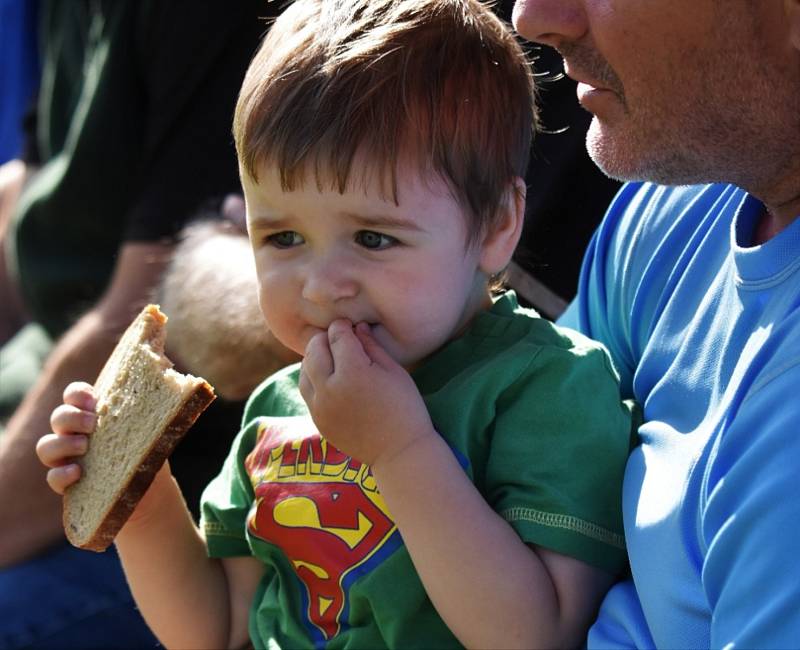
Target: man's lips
584, 79
586, 89
599, 89
598, 99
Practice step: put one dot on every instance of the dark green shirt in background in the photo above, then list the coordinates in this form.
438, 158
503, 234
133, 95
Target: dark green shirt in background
134, 117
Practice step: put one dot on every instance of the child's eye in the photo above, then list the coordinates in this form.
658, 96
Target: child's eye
374, 240
285, 239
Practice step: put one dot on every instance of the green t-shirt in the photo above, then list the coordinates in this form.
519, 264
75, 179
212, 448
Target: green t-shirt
531, 411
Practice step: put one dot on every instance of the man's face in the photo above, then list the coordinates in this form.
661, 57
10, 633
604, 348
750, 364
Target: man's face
682, 91
404, 268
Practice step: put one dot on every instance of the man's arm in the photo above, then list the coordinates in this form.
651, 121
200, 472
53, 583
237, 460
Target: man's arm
12, 177
30, 514
751, 521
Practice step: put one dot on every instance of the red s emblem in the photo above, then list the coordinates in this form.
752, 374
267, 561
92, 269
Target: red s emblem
321, 508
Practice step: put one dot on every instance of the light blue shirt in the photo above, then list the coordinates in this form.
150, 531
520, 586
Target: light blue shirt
705, 332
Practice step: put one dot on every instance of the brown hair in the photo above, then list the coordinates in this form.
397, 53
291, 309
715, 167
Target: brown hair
441, 83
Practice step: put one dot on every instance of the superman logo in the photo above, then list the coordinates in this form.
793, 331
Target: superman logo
322, 509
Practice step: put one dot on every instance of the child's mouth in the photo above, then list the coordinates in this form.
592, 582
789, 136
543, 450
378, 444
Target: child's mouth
371, 327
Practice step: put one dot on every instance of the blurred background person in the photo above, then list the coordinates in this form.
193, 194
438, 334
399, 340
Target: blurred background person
133, 135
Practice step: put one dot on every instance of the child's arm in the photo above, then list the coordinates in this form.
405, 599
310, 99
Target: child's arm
187, 599
490, 588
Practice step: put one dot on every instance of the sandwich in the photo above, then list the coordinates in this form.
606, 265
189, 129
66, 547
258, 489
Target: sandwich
144, 408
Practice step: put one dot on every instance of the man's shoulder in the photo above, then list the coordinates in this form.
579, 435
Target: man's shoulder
646, 220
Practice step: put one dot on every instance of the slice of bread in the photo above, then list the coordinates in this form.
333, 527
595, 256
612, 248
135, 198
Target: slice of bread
144, 408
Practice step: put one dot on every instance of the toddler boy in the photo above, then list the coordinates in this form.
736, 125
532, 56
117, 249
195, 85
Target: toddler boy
444, 467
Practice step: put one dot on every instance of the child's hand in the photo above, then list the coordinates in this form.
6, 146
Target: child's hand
361, 400
71, 422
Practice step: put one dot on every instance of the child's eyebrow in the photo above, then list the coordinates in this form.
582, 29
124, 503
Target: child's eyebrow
364, 221
383, 221
269, 222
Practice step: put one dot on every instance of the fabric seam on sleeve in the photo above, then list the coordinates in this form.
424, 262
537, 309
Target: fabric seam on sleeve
567, 522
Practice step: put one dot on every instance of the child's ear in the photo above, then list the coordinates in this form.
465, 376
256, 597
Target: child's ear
499, 243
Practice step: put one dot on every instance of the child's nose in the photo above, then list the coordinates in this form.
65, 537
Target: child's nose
329, 280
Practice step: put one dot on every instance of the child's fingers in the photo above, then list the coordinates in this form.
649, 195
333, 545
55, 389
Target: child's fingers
317, 361
81, 395
372, 348
316, 367
305, 386
66, 419
56, 450
346, 350
60, 478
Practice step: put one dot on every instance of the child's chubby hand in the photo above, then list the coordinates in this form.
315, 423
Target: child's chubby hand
71, 423
362, 401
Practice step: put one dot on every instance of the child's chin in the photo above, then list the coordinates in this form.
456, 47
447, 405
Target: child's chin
409, 359
389, 345
405, 358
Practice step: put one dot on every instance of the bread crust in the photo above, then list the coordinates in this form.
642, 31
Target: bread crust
131, 493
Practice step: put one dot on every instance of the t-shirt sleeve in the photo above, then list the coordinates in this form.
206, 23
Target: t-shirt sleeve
599, 309
227, 500
751, 523
558, 452
190, 65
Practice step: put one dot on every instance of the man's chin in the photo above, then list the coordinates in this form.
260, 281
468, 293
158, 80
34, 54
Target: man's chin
619, 156
609, 155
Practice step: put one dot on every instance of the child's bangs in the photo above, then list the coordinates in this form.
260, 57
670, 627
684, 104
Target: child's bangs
349, 104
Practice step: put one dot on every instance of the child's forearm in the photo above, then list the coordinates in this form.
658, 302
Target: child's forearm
490, 588
182, 594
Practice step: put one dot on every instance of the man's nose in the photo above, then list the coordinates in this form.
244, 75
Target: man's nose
550, 22
329, 280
